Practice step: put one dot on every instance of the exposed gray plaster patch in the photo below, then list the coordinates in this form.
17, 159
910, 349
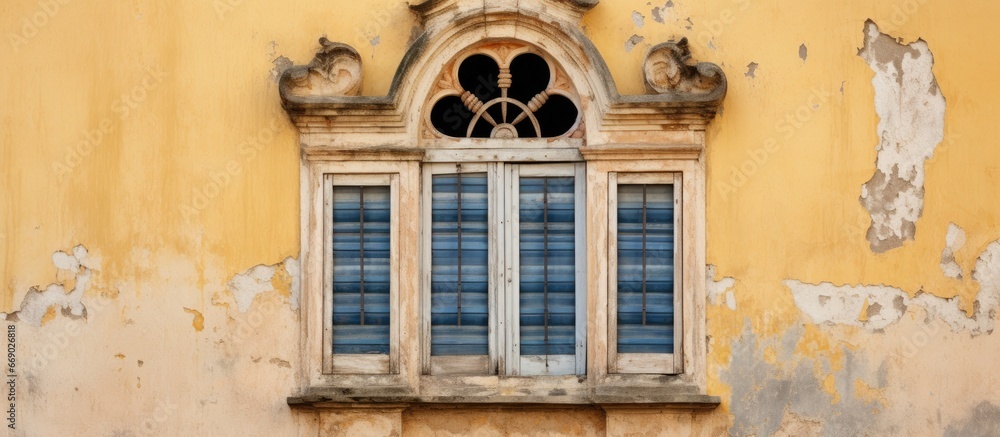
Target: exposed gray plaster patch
826, 303
751, 70
722, 288
803, 52
911, 111
638, 19
953, 242
37, 302
281, 64
768, 399
632, 42
376, 41
983, 421
660, 12
247, 285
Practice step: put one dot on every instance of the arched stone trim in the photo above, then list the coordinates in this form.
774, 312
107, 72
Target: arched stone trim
688, 102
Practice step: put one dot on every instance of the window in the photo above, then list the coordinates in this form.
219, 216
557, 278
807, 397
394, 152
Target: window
458, 293
360, 224
643, 254
503, 227
504, 269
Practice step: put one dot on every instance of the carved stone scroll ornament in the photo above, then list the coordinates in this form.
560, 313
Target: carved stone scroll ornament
335, 71
667, 72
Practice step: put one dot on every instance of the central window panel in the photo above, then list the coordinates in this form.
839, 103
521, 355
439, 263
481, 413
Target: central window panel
505, 256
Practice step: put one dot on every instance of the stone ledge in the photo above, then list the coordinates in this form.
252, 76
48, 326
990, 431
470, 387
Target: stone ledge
672, 401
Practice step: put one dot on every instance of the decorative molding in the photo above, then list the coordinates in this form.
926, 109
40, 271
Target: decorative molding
357, 154
667, 72
627, 153
335, 71
321, 97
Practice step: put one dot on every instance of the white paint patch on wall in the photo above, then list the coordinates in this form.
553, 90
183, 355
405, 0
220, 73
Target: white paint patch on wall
258, 279
722, 288
843, 305
826, 303
38, 302
911, 110
953, 242
638, 19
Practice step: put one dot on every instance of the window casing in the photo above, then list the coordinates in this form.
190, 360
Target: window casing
659, 134
527, 268
645, 298
361, 329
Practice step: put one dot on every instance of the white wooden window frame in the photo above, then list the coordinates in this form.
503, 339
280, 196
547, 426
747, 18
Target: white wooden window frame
459, 364
359, 364
644, 363
538, 365
504, 319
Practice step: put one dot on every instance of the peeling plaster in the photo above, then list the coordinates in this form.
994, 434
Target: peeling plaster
37, 303
788, 397
954, 241
844, 305
882, 306
638, 19
632, 42
911, 110
723, 288
258, 279
803, 52
660, 11
281, 64
751, 70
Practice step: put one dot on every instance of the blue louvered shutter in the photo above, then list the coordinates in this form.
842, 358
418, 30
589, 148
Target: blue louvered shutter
361, 239
645, 268
459, 266
547, 266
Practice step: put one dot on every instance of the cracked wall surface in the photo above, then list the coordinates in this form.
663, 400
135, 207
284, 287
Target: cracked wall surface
154, 280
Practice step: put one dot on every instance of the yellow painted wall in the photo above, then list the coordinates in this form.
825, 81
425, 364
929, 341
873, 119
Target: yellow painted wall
152, 133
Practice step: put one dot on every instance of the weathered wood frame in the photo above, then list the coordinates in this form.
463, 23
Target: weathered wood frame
686, 166
538, 365
322, 368
645, 363
357, 363
461, 364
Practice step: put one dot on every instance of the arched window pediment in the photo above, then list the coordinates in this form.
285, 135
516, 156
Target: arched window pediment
323, 96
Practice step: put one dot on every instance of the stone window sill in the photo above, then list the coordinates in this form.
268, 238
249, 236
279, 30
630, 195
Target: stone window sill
398, 397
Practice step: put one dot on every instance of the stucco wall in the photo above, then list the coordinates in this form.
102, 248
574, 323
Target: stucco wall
147, 168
